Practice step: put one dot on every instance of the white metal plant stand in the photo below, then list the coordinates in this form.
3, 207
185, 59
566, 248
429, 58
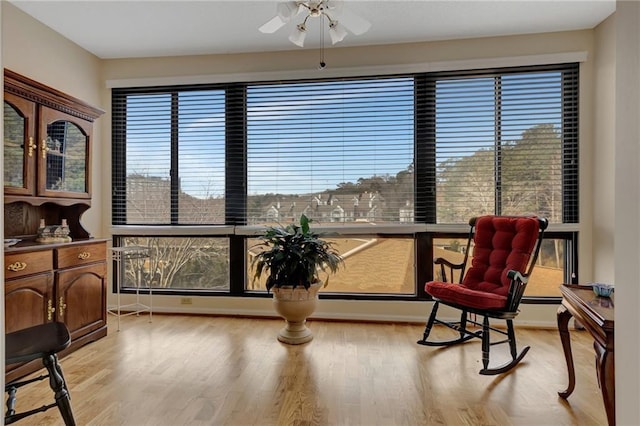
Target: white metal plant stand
138, 255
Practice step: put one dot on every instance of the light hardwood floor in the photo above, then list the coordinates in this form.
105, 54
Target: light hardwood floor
199, 370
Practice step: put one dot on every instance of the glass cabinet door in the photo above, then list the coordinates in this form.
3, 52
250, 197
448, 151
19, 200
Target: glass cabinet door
64, 155
20, 148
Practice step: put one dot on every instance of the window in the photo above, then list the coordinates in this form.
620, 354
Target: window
383, 162
501, 143
341, 152
169, 156
392, 259
184, 263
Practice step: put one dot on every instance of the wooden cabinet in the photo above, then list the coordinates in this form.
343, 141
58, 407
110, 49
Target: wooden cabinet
47, 178
47, 157
47, 141
64, 282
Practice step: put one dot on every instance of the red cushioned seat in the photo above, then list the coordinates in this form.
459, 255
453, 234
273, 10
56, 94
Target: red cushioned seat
505, 249
500, 244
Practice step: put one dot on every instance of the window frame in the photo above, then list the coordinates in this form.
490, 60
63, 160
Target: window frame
570, 143
424, 229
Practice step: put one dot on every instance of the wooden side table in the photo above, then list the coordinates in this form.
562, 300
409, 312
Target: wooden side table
596, 314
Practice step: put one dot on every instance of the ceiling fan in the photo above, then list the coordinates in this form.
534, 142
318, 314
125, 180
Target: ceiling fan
339, 18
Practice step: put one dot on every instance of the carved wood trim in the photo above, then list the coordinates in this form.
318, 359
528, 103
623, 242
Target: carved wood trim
42, 94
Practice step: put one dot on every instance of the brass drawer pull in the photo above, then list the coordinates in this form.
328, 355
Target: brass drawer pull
32, 146
62, 306
44, 148
84, 255
17, 266
50, 310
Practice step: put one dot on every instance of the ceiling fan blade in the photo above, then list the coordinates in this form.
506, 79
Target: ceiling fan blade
335, 7
287, 10
273, 25
354, 23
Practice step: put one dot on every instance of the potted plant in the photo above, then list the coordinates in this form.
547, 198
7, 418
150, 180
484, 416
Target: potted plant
292, 258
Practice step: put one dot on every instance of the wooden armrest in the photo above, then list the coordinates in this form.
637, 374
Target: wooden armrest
443, 261
452, 266
516, 289
517, 276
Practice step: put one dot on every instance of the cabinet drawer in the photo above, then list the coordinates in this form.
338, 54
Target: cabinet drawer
21, 264
80, 255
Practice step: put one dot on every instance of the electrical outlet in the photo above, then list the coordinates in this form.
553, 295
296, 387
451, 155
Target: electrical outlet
186, 301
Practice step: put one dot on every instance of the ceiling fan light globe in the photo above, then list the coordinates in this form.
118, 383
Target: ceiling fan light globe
329, 9
298, 35
337, 32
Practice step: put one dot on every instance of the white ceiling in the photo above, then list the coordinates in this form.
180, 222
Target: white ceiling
146, 28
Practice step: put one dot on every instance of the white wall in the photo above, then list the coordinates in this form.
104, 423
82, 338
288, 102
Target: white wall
616, 186
627, 211
601, 170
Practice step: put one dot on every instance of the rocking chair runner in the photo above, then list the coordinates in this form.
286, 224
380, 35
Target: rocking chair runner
505, 251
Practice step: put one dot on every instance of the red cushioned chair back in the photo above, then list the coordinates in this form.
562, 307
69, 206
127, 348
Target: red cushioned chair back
500, 244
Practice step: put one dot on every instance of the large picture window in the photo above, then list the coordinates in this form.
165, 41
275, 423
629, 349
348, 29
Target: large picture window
341, 152
393, 166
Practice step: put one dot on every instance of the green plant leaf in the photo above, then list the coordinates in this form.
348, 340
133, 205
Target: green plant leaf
294, 255
304, 223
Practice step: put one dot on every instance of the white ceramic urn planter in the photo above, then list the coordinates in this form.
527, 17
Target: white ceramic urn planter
295, 305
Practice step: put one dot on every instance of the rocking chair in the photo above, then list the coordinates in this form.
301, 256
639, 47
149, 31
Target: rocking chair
505, 249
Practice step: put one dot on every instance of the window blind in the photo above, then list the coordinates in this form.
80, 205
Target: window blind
340, 152
169, 157
425, 148
506, 143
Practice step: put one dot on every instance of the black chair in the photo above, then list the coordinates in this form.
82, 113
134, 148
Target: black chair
42, 341
505, 249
